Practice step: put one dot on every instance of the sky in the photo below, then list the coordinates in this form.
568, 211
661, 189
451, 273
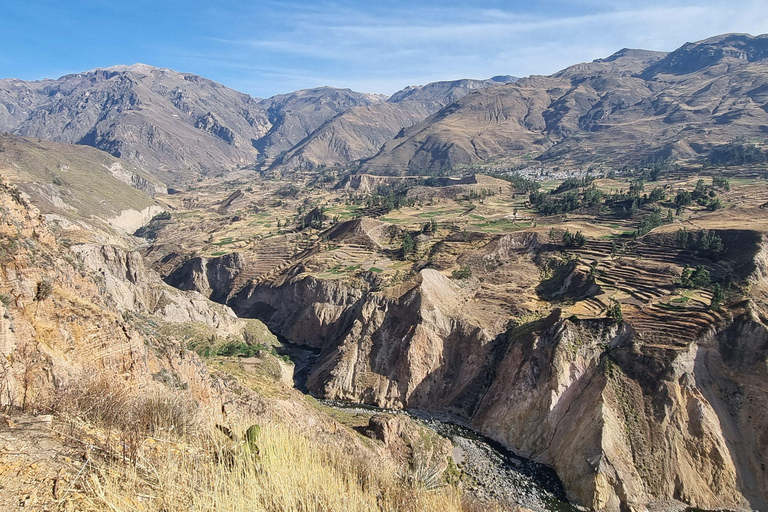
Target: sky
266, 47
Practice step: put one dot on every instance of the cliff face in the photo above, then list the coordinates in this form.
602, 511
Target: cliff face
89, 310
134, 288
625, 424
58, 326
212, 277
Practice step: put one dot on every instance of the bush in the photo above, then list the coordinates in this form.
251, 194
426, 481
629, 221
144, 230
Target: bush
106, 401
463, 273
43, 291
694, 278
576, 239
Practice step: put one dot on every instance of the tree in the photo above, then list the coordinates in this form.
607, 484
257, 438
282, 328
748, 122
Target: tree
409, 244
429, 227
714, 204
683, 199
657, 194
694, 277
552, 234
576, 239
614, 312
720, 182
717, 297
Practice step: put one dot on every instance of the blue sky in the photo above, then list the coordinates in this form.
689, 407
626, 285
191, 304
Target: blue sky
267, 47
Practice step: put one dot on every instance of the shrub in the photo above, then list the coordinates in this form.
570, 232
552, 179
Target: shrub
576, 239
463, 273
43, 291
106, 401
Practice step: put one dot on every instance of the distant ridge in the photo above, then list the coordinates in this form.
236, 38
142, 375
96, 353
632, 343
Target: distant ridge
632, 106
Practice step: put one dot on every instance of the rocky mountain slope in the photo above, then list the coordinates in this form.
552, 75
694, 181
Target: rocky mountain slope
89, 194
172, 124
90, 335
654, 105
296, 115
360, 132
175, 125
648, 105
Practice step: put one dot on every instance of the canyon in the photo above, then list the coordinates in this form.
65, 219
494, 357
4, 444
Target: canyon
573, 266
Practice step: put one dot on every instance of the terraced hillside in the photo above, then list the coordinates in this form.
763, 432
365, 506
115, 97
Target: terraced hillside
573, 295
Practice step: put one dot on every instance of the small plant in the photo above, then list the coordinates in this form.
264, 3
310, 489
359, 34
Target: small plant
43, 291
463, 273
247, 445
421, 476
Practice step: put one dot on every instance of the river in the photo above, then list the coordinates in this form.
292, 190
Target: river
495, 472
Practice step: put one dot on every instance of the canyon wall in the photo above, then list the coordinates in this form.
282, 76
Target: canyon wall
625, 424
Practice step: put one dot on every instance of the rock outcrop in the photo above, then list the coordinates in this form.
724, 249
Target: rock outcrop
58, 324
625, 424
134, 288
211, 277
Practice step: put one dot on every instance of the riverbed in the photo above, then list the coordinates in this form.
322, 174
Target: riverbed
493, 472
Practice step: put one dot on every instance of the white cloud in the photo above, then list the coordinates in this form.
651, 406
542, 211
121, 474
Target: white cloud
383, 51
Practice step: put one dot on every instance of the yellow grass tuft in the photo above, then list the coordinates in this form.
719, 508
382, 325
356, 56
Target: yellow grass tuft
291, 473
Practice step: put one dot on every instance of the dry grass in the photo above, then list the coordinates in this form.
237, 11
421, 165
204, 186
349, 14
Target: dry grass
105, 401
156, 454
290, 474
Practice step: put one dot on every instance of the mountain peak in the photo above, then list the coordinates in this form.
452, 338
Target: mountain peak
692, 57
632, 53
138, 67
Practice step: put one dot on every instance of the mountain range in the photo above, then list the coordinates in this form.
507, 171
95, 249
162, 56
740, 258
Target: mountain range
629, 108
179, 125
